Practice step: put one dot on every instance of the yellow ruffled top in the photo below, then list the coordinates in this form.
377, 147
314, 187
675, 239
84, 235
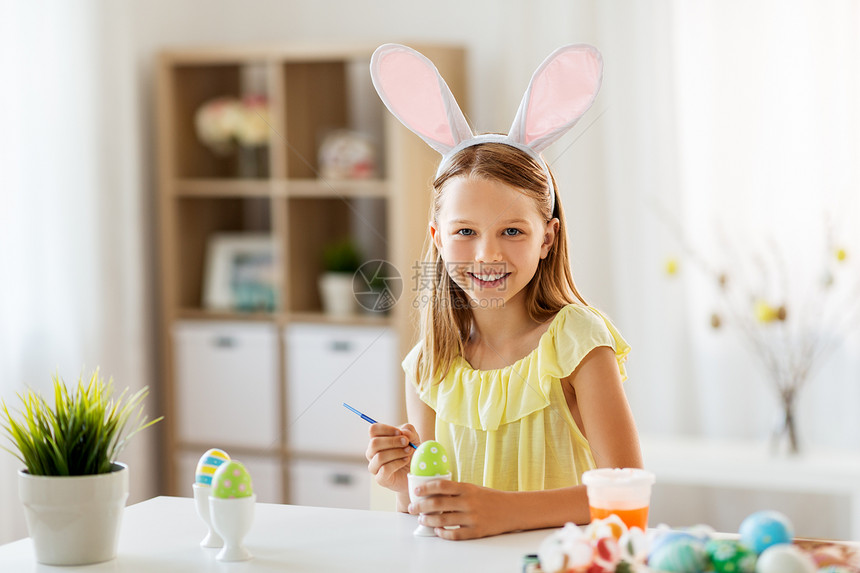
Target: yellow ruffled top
510, 428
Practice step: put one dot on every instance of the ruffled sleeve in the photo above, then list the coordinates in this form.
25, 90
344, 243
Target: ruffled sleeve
487, 399
578, 331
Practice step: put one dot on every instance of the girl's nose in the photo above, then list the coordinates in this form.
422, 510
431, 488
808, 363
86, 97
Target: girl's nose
488, 251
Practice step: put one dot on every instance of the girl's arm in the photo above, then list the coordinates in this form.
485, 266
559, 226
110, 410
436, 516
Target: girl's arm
607, 421
608, 425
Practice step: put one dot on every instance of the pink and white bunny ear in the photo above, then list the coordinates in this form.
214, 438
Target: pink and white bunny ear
560, 92
412, 89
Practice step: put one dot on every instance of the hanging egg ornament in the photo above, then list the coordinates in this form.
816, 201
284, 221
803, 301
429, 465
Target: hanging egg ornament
841, 254
671, 266
723, 280
762, 529
781, 313
785, 558
764, 312
716, 321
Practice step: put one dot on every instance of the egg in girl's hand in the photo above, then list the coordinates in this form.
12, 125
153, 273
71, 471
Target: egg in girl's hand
785, 558
209, 462
231, 481
430, 459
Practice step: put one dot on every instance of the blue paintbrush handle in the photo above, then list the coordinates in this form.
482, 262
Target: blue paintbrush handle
367, 418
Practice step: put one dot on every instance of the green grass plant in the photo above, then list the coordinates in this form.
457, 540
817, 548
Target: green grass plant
82, 434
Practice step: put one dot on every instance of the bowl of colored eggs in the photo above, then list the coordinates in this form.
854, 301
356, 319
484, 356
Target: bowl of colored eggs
765, 544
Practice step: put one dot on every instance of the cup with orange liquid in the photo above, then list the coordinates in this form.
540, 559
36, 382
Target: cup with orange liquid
625, 492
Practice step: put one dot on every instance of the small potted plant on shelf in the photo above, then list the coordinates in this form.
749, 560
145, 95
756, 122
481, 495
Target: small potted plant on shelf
340, 261
73, 488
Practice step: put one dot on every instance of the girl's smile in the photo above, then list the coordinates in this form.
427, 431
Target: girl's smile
489, 280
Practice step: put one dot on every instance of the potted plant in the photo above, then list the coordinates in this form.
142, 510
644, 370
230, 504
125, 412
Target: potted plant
340, 261
73, 488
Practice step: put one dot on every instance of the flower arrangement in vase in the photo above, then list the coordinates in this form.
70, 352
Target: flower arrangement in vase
73, 488
792, 319
229, 125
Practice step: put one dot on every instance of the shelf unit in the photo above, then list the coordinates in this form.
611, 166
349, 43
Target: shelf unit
209, 380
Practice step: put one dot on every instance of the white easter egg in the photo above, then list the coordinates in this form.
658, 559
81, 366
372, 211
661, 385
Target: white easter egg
784, 558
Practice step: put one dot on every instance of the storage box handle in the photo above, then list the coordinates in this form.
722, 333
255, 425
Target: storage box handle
224, 341
341, 479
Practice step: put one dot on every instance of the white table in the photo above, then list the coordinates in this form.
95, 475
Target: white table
162, 535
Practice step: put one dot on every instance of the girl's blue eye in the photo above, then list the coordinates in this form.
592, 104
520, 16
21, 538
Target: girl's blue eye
511, 232
465, 232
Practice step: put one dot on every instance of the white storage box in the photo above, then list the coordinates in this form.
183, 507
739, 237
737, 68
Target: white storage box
329, 484
226, 384
328, 365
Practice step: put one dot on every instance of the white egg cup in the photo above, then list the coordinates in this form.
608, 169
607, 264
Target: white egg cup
414, 481
232, 519
201, 502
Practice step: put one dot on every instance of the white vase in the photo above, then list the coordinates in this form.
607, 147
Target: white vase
74, 520
337, 295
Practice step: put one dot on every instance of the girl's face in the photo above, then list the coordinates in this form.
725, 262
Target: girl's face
491, 238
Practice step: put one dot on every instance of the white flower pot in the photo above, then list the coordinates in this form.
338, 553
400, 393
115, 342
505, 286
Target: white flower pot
74, 520
336, 293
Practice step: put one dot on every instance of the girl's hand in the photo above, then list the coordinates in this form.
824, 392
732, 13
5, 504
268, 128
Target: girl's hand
478, 511
389, 454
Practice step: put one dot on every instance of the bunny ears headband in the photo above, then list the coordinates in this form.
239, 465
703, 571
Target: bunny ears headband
560, 92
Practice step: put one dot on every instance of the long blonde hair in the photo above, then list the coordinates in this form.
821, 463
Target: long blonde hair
446, 316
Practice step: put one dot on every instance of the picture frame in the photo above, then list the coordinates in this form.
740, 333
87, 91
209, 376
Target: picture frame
240, 273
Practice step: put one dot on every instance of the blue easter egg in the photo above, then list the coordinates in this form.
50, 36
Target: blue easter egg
681, 555
667, 537
762, 529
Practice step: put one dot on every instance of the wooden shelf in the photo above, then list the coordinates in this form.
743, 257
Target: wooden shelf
224, 315
336, 188
303, 188
374, 319
311, 92
223, 188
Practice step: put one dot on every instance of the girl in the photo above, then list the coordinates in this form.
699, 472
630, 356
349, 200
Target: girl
516, 376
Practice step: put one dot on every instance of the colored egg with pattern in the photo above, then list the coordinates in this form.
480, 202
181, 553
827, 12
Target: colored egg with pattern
681, 555
430, 459
730, 556
209, 462
231, 481
763, 529
668, 537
